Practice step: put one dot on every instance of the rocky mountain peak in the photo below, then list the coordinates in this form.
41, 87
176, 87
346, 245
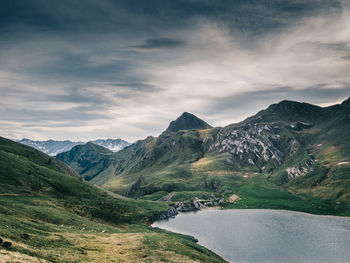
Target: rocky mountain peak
187, 121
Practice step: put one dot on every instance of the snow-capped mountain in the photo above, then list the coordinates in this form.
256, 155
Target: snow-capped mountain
50, 147
115, 145
53, 148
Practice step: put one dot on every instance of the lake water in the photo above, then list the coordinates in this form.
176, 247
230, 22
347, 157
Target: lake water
266, 235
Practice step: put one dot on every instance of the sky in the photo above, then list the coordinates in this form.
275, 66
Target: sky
83, 70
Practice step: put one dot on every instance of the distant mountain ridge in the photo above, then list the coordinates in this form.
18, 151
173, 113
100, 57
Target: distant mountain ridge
52, 147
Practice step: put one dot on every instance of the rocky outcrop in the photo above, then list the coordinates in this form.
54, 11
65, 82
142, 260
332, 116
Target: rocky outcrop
252, 144
193, 205
300, 170
171, 212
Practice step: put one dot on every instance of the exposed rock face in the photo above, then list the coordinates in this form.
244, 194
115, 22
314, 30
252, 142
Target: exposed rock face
194, 205
299, 126
171, 212
300, 170
252, 144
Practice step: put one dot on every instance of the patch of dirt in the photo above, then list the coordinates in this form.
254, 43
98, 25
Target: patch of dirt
233, 198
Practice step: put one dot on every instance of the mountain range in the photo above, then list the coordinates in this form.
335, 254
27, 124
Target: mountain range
52, 147
292, 155
290, 151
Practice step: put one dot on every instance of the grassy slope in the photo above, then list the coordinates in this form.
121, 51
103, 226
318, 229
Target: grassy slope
50, 216
329, 143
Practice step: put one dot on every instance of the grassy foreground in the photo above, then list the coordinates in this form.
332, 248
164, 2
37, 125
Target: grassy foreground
50, 215
41, 231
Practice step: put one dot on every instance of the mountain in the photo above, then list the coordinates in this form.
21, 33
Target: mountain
49, 214
53, 148
187, 121
50, 147
114, 145
88, 159
290, 156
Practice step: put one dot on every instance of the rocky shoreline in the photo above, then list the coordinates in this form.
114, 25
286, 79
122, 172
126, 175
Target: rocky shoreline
194, 205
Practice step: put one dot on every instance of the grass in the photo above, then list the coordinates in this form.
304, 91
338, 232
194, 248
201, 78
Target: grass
261, 194
56, 235
70, 238
331, 185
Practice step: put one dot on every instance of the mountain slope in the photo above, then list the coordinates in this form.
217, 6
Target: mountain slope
286, 143
88, 159
27, 171
50, 215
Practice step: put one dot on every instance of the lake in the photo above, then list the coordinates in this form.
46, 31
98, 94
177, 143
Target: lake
266, 235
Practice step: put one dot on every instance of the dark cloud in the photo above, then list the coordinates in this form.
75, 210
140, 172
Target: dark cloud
92, 16
79, 66
138, 86
81, 95
160, 43
255, 100
82, 114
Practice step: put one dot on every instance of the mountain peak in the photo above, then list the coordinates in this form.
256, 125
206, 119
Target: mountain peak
187, 121
346, 104
291, 111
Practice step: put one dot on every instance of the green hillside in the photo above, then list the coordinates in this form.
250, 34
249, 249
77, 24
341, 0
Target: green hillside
291, 156
50, 214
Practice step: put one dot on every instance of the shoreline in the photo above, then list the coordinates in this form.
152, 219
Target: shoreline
172, 212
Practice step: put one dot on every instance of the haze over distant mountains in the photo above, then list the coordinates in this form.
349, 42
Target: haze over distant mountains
52, 147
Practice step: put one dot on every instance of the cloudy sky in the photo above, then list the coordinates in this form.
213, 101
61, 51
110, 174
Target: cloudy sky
92, 69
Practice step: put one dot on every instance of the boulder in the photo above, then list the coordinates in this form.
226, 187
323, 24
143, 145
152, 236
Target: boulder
7, 244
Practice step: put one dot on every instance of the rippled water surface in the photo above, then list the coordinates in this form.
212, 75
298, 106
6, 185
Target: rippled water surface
266, 235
